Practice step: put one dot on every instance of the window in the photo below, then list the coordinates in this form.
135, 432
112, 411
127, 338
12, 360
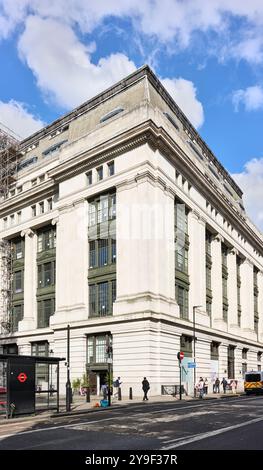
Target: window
40, 349
103, 252
12, 192
50, 204
5, 222
45, 308
34, 211
102, 209
99, 173
41, 178
111, 168
18, 215
92, 254
53, 149
209, 307
12, 219
113, 250
214, 351
18, 281
97, 348
41, 207
186, 345
89, 177
182, 300
103, 304
244, 353
17, 316
47, 240
225, 312
18, 249
34, 182
111, 114
46, 274
101, 297
259, 354
19, 189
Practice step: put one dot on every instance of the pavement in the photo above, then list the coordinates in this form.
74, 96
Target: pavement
81, 406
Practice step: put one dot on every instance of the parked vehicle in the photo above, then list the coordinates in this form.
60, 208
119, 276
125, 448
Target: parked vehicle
253, 382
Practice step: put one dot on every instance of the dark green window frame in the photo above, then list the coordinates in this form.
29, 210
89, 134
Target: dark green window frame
45, 309
46, 239
18, 281
186, 345
17, 316
101, 298
46, 274
102, 209
97, 348
214, 351
181, 295
18, 249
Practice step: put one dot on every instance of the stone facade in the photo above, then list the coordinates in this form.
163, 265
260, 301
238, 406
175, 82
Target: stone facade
132, 150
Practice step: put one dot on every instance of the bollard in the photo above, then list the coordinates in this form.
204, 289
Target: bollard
130, 393
88, 395
119, 393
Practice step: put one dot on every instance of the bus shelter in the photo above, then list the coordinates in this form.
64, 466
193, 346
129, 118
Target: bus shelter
28, 384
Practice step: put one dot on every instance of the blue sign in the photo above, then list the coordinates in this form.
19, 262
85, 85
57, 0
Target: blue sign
191, 365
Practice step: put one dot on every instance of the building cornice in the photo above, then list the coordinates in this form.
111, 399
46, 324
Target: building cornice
25, 198
157, 138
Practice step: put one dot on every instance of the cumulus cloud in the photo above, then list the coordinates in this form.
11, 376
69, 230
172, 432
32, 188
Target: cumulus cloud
62, 64
251, 98
16, 117
251, 182
184, 94
166, 20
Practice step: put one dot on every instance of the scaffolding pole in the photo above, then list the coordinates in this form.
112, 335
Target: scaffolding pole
8, 161
6, 279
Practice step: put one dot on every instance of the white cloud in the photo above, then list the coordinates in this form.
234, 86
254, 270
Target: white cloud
251, 182
16, 117
184, 93
62, 64
251, 98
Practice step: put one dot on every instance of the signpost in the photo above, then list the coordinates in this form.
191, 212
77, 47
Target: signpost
180, 356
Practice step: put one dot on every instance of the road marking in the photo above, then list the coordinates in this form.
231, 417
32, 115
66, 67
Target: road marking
164, 410
205, 435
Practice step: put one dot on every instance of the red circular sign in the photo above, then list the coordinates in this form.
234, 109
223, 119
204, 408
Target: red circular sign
22, 377
180, 356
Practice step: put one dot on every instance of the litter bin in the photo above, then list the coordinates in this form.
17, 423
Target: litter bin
104, 403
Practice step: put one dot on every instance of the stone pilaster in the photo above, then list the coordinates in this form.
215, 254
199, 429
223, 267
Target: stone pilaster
247, 299
29, 321
216, 281
232, 290
197, 267
260, 306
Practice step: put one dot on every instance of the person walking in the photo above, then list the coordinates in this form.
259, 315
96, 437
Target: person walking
116, 384
206, 386
201, 387
146, 388
234, 386
104, 391
224, 383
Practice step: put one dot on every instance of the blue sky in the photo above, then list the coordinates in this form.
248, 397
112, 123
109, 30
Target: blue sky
208, 54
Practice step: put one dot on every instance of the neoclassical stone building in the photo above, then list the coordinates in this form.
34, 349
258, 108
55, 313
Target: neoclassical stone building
123, 224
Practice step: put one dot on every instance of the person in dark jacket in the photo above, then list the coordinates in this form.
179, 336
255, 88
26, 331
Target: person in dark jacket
145, 387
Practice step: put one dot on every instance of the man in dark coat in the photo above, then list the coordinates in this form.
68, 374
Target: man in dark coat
145, 387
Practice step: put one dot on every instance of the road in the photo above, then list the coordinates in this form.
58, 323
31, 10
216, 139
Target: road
232, 423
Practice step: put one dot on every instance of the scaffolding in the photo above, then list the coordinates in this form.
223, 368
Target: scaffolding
6, 279
8, 160
9, 146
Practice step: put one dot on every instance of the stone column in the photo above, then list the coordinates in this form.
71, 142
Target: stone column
216, 281
145, 247
197, 267
29, 321
71, 264
232, 290
247, 299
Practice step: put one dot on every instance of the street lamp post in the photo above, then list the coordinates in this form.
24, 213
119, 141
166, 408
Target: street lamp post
68, 384
194, 338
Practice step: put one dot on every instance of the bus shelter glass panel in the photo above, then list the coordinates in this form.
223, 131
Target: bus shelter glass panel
3, 388
46, 386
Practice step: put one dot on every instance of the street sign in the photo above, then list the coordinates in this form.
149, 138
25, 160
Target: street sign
180, 356
191, 365
22, 377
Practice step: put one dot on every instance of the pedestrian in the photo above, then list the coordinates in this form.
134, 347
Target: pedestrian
201, 387
146, 388
217, 385
224, 383
234, 386
206, 386
104, 391
116, 384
